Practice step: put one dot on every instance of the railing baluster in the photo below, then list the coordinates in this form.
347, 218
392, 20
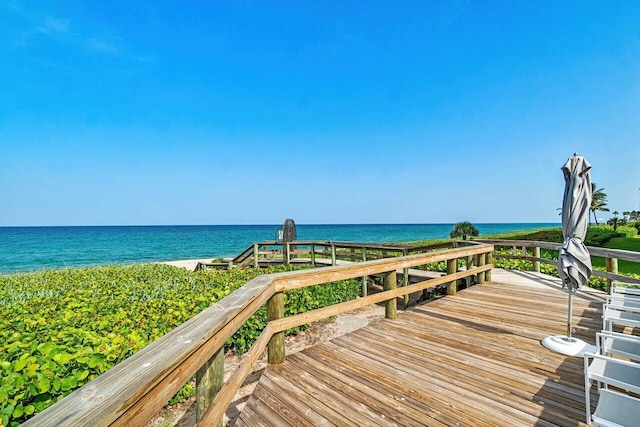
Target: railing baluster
536, 254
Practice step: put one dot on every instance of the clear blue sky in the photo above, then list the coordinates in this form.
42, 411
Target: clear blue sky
123, 112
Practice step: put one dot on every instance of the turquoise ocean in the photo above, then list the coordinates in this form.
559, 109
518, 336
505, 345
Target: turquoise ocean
35, 248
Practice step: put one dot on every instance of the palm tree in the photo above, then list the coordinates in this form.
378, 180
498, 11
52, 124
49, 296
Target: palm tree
598, 201
464, 229
614, 221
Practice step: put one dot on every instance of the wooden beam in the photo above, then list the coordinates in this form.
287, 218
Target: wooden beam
209, 380
221, 402
256, 250
487, 274
452, 267
333, 254
536, 264
391, 306
482, 260
364, 278
313, 254
275, 311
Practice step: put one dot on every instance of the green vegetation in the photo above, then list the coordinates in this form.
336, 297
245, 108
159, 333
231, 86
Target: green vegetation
464, 229
62, 328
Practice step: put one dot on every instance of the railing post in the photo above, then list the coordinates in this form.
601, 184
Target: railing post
487, 274
391, 305
515, 250
364, 278
405, 281
313, 254
275, 311
476, 263
452, 267
469, 262
482, 259
256, 248
209, 380
230, 265
287, 255
333, 253
612, 267
536, 264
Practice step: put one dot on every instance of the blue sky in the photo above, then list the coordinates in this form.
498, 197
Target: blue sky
326, 112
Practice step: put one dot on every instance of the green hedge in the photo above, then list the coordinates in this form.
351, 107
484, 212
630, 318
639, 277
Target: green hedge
62, 328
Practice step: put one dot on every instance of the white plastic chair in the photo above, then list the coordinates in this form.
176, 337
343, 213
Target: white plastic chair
609, 371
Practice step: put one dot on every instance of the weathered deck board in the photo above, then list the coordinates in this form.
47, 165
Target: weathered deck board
470, 359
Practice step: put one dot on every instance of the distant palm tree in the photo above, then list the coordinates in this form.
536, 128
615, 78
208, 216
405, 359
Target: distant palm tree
464, 229
598, 201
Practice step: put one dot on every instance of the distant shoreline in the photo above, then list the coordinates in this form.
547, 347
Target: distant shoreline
27, 249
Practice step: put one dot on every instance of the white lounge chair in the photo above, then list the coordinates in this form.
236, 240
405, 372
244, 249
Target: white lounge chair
623, 301
617, 288
614, 344
616, 410
615, 314
607, 371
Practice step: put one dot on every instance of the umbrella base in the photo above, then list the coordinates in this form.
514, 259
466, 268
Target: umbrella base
568, 346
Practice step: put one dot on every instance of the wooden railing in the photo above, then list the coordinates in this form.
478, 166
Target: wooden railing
519, 251
133, 391
275, 252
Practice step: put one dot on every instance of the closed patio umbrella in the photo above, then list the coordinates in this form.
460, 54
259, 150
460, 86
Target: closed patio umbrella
574, 262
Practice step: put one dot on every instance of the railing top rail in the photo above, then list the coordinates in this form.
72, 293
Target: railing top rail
298, 279
244, 254
356, 245
593, 250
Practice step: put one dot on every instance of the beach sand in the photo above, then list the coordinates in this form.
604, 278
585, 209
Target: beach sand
189, 264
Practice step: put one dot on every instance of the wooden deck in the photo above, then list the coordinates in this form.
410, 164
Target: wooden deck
471, 359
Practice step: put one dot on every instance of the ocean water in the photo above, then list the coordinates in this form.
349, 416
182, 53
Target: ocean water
34, 248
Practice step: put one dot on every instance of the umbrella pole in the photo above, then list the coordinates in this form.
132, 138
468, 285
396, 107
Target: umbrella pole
569, 316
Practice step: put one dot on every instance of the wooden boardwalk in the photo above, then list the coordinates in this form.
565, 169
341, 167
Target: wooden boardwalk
473, 359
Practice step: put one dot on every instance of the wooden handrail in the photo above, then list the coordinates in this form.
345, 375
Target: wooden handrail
136, 389
612, 255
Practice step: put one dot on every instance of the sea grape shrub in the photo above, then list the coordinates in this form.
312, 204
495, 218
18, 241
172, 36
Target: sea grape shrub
62, 328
